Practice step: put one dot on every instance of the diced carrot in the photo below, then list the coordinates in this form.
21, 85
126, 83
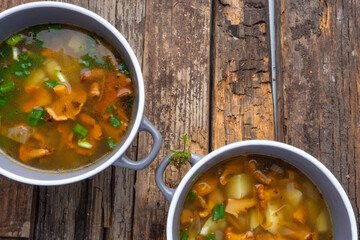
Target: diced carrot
93, 74
94, 89
205, 185
61, 90
86, 119
95, 129
300, 214
113, 88
186, 216
49, 53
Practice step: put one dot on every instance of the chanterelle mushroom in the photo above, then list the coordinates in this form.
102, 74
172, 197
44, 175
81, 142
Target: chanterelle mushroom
39, 97
35, 147
229, 235
67, 106
238, 206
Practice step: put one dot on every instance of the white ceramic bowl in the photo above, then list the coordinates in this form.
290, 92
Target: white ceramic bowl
20, 17
342, 214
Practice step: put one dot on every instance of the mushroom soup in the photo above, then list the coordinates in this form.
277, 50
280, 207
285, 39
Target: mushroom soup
66, 97
254, 197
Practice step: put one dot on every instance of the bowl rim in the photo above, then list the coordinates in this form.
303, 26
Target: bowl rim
282, 146
141, 93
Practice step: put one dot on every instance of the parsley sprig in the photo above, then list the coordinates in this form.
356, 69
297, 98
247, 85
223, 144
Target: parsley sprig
179, 158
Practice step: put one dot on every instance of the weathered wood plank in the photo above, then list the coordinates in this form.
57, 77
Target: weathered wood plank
16, 204
16, 199
242, 106
98, 207
129, 19
319, 84
176, 72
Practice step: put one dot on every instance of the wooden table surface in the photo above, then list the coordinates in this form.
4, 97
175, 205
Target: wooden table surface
206, 67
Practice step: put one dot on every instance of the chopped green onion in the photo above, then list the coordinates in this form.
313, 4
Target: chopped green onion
7, 87
192, 196
15, 53
114, 121
218, 212
60, 76
109, 109
12, 41
80, 131
51, 83
210, 236
36, 117
184, 236
84, 143
111, 143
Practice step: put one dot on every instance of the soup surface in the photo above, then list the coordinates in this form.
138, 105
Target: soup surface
254, 198
66, 97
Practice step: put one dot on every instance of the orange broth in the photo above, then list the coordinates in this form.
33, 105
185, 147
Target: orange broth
66, 97
254, 198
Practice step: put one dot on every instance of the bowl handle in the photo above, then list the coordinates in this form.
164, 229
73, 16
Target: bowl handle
125, 162
167, 191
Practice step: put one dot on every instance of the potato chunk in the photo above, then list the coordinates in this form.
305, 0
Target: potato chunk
211, 226
239, 186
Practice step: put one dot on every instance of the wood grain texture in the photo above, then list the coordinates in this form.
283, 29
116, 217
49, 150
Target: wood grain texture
242, 106
129, 19
101, 206
319, 85
16, 204
94, 208
176, 74
16, 199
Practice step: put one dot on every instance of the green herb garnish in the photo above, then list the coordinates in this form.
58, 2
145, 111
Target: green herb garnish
12, 41
5, 51
38, 43
36, 117
210, 236
95, 62
114, 121
33, 59
111, 143
184, 236
26, 61
179, 158
34, 30
124, 69
51, 83
80, 131
218, 212
109, 109
192, 196
55, 26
